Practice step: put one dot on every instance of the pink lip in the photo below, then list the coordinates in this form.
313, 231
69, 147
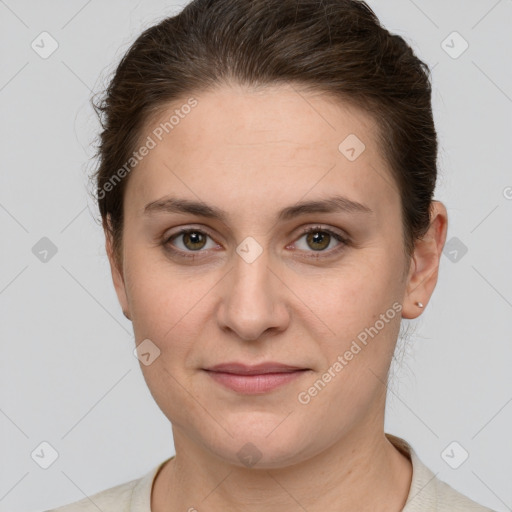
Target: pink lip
255, 379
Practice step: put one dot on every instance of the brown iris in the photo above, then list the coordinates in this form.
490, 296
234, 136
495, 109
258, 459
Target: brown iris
318, 240
195, 239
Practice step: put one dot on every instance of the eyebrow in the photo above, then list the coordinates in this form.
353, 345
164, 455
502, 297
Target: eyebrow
334, 204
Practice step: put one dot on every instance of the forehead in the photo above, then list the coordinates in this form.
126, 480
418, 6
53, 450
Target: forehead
245, 145
239, 116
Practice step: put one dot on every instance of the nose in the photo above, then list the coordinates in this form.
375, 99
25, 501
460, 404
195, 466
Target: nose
253, 300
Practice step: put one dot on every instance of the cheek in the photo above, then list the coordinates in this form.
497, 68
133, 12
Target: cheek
159, 294
359, 308
353, 295
172, 309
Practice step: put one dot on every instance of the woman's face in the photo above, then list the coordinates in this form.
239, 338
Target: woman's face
250, 287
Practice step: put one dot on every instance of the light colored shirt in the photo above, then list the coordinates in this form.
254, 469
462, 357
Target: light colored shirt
426, 494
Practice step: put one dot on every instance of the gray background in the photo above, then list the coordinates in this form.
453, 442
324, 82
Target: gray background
68, 374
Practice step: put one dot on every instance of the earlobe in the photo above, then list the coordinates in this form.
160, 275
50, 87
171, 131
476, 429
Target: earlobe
424, 269
117, 273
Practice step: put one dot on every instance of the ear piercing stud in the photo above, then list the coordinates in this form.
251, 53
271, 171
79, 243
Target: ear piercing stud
419, 304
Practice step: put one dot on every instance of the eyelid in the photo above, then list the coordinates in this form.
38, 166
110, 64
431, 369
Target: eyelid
188, 229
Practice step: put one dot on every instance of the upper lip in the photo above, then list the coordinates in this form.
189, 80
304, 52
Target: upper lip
258, 369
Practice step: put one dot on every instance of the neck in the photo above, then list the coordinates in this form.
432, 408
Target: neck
362, 471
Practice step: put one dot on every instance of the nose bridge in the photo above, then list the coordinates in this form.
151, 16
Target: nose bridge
251, 303
251, 273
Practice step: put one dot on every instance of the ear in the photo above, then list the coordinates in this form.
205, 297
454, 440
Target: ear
423, 272
116, 271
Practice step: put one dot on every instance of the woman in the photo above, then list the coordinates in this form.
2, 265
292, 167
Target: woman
266, 181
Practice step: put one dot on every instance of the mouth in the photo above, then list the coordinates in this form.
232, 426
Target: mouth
255, 379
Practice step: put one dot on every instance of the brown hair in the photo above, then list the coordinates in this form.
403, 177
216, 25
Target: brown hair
337, 47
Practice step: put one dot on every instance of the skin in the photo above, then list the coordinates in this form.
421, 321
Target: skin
253, 153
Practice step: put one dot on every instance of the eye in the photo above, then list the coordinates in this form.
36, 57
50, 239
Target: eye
190, 240
320, 239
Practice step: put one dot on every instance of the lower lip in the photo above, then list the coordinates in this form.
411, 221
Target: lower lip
254, 384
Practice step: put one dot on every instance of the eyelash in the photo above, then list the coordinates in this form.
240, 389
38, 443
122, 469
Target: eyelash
315, 229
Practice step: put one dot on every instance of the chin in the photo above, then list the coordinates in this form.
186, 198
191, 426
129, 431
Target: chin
263, 443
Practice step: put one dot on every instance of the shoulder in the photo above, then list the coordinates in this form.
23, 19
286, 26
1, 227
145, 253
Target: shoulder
132, 496
427, 492
115, 499
449, 499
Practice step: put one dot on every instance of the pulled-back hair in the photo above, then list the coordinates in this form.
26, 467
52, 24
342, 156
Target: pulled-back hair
337, 47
